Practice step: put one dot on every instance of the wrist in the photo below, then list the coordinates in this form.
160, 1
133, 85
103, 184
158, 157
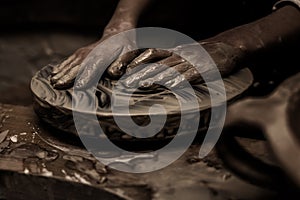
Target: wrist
227, 56
115, 27
245, 40
236, 45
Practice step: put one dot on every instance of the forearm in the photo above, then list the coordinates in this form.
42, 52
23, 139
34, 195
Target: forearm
126, 16
279, 28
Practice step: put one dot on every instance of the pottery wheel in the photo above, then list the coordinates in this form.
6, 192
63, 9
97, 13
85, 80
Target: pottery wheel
55, 106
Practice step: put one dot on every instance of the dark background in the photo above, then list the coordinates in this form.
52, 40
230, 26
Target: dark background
199, 19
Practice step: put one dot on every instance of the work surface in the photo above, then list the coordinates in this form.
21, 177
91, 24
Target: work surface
38, 162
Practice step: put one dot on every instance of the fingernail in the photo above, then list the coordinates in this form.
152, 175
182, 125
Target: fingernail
118, 70
54, 70
59, 84
145, 84
53, 80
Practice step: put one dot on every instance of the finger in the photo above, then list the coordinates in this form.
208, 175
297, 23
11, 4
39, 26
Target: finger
182, 67
149, 71
103, 98
67, 79
166, 75
148, 56
191, 75
64, 70
172, 60
134, 79
118, 67
96, 66
154, 70
60, 67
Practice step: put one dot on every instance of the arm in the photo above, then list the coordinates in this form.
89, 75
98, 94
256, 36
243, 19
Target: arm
230, 48
125, 17
281, 27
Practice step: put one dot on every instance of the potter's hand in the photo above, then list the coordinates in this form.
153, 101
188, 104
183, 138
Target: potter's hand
168, 66
125, 17
64, 74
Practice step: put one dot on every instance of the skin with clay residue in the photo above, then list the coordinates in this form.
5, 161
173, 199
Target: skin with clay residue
229, 49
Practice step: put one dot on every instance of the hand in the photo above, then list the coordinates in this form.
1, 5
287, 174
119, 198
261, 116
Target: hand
63, 75
167, 66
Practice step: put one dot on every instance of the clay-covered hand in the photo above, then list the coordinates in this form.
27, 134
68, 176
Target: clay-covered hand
167, 65
64, 74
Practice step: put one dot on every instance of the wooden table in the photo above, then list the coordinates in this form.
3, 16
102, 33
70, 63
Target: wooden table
38, 162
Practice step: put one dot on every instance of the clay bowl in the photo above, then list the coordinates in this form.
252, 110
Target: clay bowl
55, 106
